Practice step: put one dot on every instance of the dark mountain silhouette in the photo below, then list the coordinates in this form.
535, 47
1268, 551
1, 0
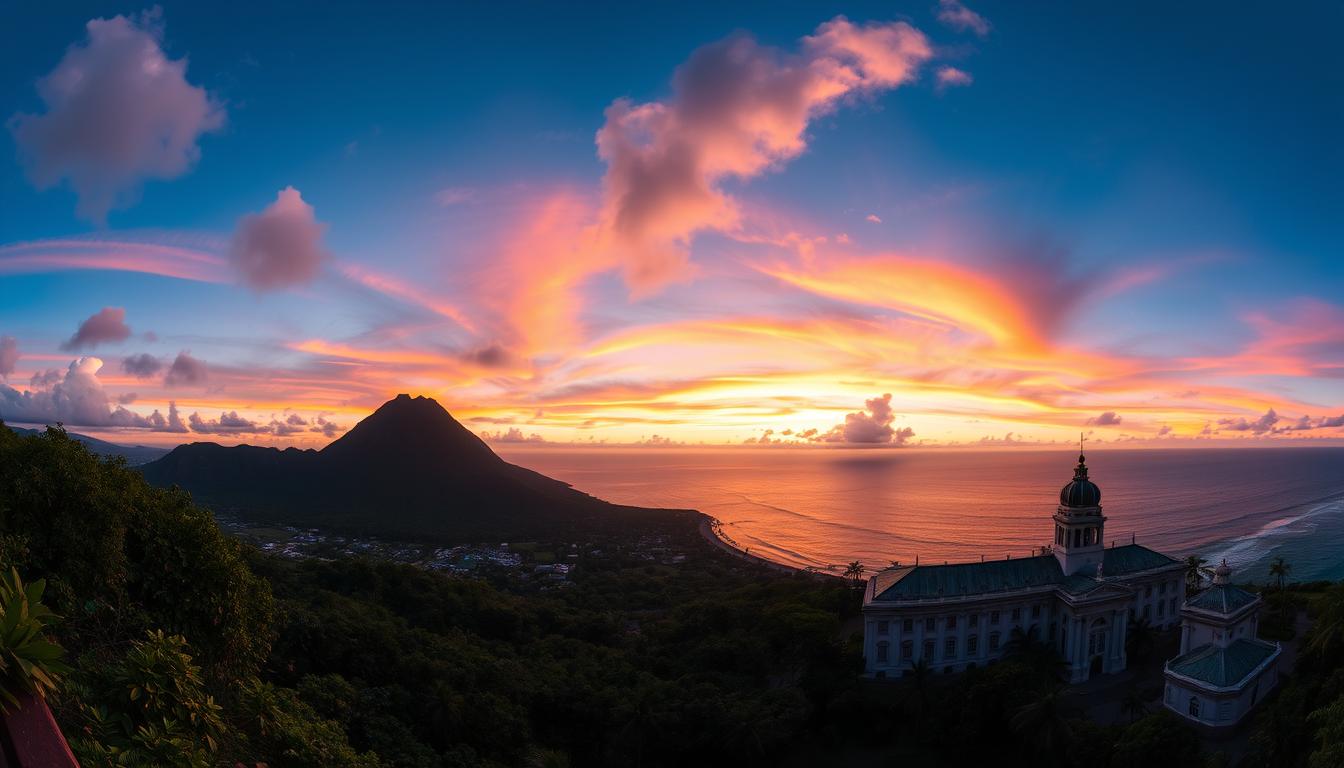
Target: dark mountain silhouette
408, 470
134, 454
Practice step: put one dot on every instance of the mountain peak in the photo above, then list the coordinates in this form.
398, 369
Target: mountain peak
414, 430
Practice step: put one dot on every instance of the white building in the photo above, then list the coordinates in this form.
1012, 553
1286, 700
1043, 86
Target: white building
1223, 668
1080, 597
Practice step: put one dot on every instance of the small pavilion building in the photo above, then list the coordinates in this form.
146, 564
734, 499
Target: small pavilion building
1224, 669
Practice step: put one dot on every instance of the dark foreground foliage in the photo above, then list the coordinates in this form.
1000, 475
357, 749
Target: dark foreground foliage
190, 650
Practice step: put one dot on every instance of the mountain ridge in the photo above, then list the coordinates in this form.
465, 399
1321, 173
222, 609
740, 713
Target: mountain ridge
408, 469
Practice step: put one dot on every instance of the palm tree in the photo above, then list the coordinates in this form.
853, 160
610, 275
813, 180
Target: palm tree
1043, 722
854, 571
1139, 639
1279, 569
1134, 704
1196, 568
1035, 653
919, 678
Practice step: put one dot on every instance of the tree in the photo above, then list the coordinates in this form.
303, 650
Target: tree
1040, 656
1133, 704
1139, 639
1279, 569
1043, 724
854, 571
1196, 568
1158, 739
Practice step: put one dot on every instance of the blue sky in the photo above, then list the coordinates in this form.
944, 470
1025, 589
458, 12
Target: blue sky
1170, 172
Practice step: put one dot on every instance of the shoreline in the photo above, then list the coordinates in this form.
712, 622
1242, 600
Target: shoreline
711, 529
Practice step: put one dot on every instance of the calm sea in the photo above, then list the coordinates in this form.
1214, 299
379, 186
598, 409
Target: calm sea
821, 508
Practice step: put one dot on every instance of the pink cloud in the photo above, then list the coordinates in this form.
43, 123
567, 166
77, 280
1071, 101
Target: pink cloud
186, 371
957, 16
281, 246
950, 77
107, 325
118, 111
737, 109
112, 255
9, 355
869, 426
873, 217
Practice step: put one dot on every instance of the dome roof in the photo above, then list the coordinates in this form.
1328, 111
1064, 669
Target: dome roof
1080, 492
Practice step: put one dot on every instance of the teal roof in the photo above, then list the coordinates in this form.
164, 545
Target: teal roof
1078, 584
1222, 667
1222, 598
1132, 558
964, 579
921, 582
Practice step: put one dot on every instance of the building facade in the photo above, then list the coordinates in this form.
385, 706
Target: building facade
1223, 669
1079, 595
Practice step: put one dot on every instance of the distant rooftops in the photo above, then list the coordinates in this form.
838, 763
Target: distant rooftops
924, 582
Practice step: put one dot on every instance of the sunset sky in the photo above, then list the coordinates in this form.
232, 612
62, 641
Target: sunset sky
921, 223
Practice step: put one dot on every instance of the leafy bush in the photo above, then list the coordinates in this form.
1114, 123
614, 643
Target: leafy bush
153, 709
29, 662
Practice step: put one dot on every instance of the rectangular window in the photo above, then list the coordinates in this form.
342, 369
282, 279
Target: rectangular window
881, 653
929, 624
950, 648
908, 625
951, 622
974, 621
1148, 591
928, 650
1035, 611
1173, 605
1162, 590
883, 627
972, 645
994, 618
1017, 615
1147, 612
1161, 609
993, 641
907, 650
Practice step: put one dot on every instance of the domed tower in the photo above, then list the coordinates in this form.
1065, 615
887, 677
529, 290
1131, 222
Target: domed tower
1079, 524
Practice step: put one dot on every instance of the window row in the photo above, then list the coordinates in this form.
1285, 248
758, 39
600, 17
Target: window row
950, 622
906, 651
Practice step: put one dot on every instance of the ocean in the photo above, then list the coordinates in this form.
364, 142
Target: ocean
823, 508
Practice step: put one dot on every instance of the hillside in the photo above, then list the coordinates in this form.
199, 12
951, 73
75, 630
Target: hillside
134, 454
409, 469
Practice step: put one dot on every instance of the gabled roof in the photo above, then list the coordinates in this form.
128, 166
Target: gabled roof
1223, 599
1132, 558
923, 582
1223, 667
919, 582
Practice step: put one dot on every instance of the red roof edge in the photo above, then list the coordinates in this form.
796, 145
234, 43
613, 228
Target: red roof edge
32, 736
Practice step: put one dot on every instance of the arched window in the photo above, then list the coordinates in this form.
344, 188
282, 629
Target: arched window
1194, 706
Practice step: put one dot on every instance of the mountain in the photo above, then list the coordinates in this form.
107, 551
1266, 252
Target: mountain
134, 454
408, 470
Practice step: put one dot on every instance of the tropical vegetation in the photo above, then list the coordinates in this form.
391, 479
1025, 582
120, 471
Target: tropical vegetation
186, 648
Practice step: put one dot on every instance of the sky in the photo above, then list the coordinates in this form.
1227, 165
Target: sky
904, 224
